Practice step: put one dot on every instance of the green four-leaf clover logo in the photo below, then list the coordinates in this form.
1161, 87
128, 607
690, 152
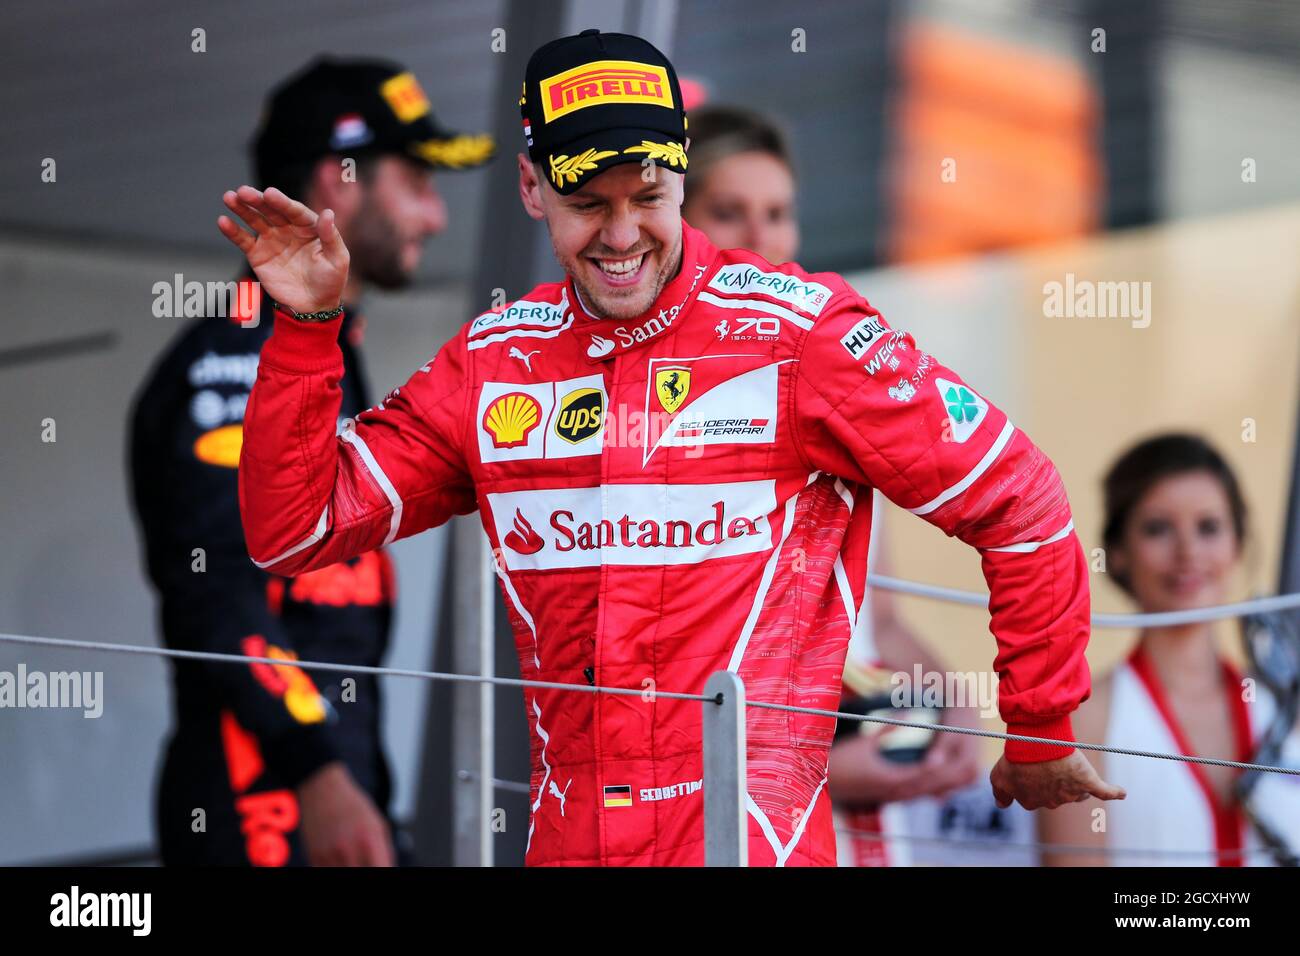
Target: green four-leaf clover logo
961, 404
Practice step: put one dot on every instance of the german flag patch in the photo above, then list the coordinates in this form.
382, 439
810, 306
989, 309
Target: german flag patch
618, 796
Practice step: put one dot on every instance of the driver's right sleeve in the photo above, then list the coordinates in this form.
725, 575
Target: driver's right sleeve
311, 493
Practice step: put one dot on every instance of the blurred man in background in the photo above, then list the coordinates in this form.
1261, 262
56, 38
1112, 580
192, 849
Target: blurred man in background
266, 765
741, 191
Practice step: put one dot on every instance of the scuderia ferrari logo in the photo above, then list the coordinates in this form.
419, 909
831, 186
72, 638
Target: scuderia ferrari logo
672, 385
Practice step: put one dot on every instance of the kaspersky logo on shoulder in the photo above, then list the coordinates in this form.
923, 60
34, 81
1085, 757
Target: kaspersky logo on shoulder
965, 409
803, 294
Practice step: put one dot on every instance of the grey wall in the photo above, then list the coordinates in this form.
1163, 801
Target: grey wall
147, 134
831, 100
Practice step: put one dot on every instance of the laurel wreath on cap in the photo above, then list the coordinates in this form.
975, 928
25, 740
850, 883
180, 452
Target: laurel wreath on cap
565, 168
671, 153
462, 150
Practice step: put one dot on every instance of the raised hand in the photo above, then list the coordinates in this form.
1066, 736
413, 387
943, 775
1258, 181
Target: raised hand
298, 256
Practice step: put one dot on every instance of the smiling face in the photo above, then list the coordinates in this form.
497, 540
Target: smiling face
1179, 545
619, 237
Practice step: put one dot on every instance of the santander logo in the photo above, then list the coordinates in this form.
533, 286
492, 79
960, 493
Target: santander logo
633, 524
524, 539
626, 531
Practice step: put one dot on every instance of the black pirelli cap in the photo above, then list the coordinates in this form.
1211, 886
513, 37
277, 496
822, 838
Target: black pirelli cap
596, 100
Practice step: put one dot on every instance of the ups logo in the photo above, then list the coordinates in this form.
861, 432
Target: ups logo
581, 414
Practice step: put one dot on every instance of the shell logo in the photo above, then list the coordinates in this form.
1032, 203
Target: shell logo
511, 419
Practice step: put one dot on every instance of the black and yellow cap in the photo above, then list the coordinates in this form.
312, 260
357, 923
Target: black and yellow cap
354, 107
596, 100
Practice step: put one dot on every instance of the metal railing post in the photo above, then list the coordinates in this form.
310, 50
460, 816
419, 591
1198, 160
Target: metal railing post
486, 699
726, 825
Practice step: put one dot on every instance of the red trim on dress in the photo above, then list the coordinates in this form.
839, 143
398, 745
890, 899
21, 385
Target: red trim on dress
1229, 822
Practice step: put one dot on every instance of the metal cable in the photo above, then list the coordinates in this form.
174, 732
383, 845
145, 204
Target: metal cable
973, 843
967, 842
597, 689
1280, 602
510, 786
341, 668
1209, 761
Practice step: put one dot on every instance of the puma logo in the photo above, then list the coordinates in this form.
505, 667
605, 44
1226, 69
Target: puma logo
526, 359
561, 795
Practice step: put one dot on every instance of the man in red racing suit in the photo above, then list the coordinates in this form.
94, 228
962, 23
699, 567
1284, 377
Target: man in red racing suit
668, 496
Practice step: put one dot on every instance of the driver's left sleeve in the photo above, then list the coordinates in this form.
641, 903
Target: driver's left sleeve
869, 406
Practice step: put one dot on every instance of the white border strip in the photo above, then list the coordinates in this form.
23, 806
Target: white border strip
758, 305
769, 833
769, 571
307, 542
1028, 547
984, 464
503, 336
349, 435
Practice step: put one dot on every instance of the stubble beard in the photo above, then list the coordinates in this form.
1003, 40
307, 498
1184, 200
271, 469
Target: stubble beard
376, 250
619, 307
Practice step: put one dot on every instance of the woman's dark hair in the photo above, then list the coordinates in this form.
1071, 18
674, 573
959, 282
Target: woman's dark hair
1151, 461
717, 132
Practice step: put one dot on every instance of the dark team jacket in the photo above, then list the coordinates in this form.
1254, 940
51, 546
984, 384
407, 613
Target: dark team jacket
259, 727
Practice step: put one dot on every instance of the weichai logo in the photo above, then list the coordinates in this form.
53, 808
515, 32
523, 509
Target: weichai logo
633, 524
605, 81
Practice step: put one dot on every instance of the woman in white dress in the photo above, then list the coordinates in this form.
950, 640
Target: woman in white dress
1174, 532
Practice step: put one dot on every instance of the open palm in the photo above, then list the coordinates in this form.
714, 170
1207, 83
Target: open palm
298, 256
